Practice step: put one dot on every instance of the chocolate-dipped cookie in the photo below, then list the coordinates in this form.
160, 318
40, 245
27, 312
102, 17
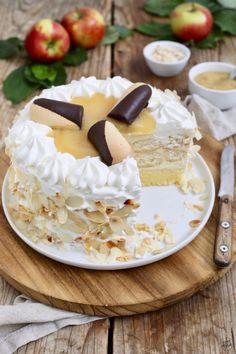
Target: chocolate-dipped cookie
131, 103
57, 114
111, 145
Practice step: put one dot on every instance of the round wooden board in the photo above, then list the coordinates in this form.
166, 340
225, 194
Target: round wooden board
113, 293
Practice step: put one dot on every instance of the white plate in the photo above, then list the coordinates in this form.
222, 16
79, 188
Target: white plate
167, 201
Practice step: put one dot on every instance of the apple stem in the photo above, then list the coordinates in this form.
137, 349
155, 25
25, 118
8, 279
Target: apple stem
193, 7
50, 44
78, 14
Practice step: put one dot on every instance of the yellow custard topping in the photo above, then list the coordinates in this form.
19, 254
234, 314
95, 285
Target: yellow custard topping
216, 80
96, 107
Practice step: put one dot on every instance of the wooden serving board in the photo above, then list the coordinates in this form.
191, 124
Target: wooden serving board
120, 292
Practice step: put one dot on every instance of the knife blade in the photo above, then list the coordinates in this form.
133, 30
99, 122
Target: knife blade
223, 239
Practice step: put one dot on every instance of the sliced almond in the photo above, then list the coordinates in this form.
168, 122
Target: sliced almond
62, 215
198, 207
123, 212
194, 223
142, 227
95, 216
116, 224
74, 202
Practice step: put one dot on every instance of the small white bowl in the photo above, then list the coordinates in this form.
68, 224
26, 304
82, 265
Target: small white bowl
166, 69
223, 99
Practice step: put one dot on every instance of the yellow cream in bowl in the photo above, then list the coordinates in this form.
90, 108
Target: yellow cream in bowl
216, 80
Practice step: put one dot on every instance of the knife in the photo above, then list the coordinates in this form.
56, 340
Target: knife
223, 240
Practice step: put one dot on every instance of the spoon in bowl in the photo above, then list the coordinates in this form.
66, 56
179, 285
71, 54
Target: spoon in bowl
232, 75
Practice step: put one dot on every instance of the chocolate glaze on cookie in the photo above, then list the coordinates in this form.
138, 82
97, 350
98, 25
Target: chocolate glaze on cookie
131, 103
111, 145
72, 112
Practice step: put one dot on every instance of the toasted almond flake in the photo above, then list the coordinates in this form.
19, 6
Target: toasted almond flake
194, 223
160, 227
193, 206
161, 237
109, 211
129, 230
123, 212
34, 239
184, 186
95, 216
147, 241
115, 251
142, 227
78, 238
140, 251
124, 258
198, 207
100, 207
79, 223
49, 238
62, 215
51, 205
132, 203
204, 197
116, 224
74, 202
87, 245
110, 244
157, 250
104, 249
169, 237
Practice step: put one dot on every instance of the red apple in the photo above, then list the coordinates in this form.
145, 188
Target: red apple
47, 41
86, 26
191, 21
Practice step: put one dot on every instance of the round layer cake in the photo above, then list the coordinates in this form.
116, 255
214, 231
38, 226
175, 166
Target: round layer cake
66, 189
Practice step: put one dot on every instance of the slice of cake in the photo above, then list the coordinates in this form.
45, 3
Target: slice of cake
77, 153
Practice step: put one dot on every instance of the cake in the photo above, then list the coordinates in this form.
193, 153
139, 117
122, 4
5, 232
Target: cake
78, 165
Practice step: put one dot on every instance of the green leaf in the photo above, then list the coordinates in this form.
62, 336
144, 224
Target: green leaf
156, 29
229, 4
211, 40
161, 7
44, 72
16, 87
210, 4
226, 20
123, 31
111, 36
31, 78
46, 75
75, 56
10, 47
61, 73
114, 33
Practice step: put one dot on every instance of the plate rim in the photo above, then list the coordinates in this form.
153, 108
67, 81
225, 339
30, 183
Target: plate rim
121, 265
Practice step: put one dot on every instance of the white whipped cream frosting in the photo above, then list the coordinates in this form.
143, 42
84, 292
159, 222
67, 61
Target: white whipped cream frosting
32, 151
165, 106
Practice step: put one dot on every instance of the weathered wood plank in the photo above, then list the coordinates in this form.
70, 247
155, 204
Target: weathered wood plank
16, 19
88, 338
204, 323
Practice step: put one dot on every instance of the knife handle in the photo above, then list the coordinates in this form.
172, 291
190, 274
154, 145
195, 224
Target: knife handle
223, 239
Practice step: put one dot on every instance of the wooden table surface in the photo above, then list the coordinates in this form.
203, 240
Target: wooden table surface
204, 323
